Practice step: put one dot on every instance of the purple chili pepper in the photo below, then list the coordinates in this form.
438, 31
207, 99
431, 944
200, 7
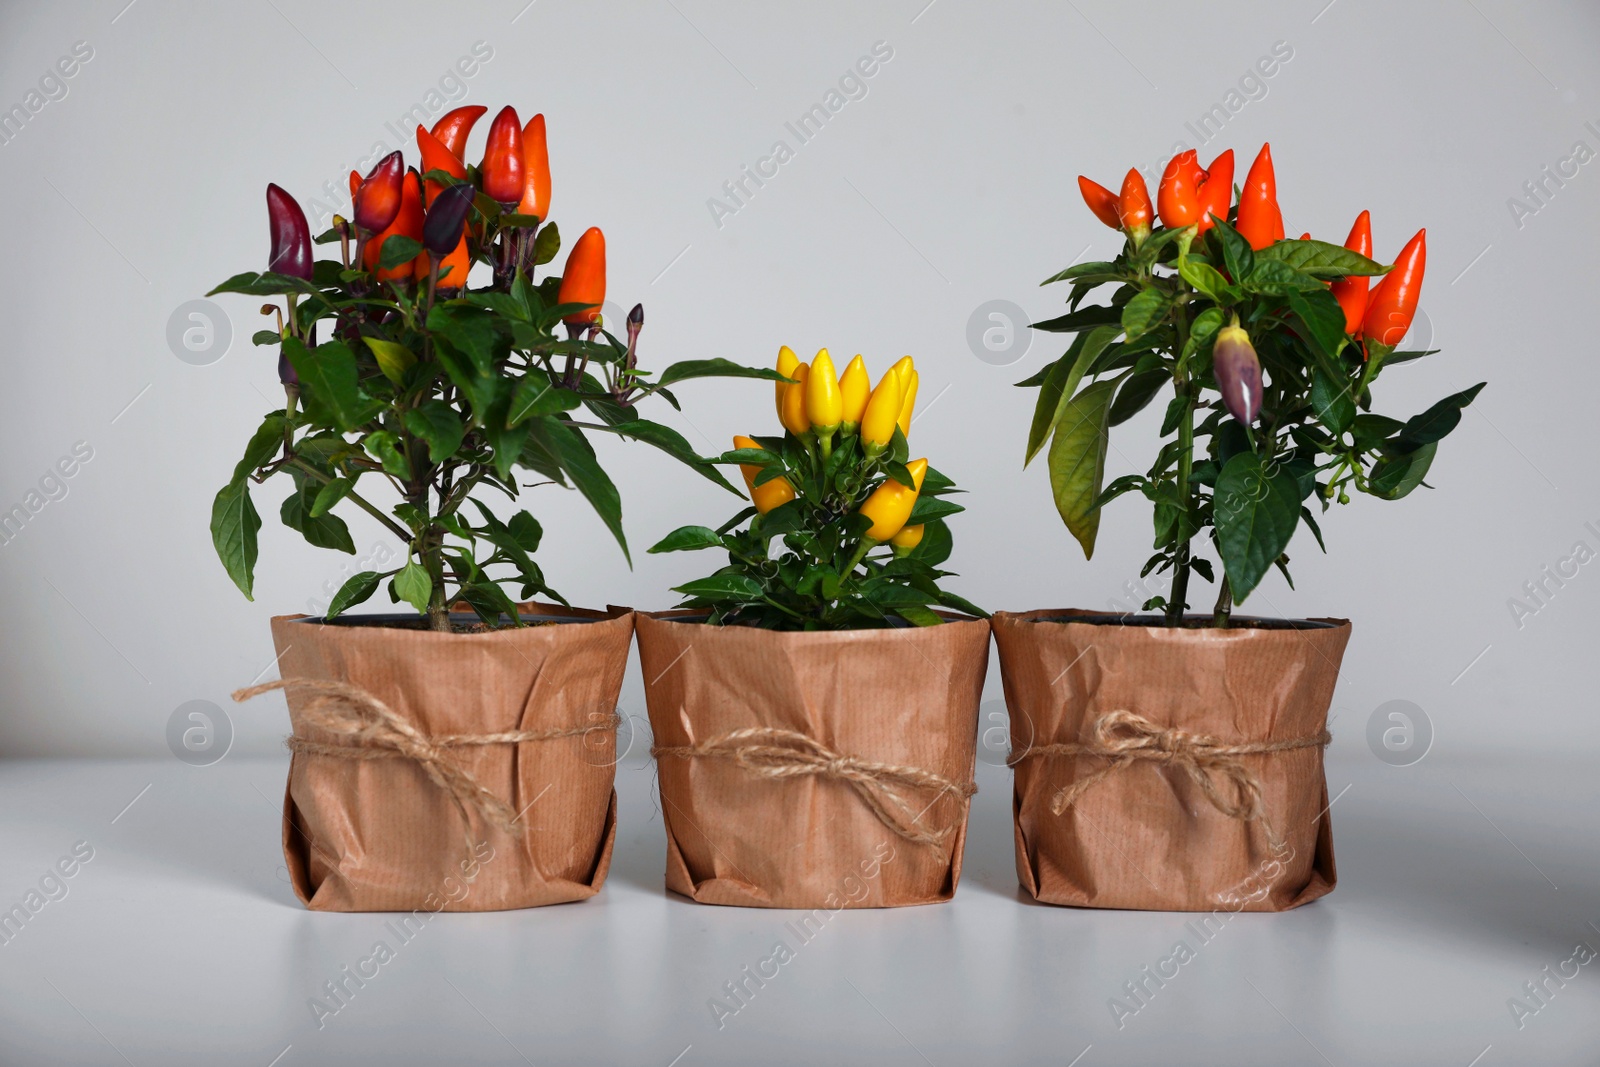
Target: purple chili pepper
441, 230
1238, 373
291, 237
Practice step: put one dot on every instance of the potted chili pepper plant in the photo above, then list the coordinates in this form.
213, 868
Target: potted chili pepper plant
445, 759
815, 700
1174, 761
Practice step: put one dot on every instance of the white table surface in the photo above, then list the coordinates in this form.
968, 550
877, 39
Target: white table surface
181, 943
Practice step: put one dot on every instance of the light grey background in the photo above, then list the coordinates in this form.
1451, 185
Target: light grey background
951, 183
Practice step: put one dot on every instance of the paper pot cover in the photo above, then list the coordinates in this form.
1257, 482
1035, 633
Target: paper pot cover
382, 835
1146, 835
902, 698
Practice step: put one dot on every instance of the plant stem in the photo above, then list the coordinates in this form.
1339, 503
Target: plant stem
365, 505
1224, 609
855, 560
1180, 580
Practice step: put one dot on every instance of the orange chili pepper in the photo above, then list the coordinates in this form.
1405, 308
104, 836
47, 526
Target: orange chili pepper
1393, 303
536, 170
1134, 206
452, 130
1259, 220
1101, 201
407, 223
435, 156
1178, 195
1216, 192
502, 167
584, 280
1352, 292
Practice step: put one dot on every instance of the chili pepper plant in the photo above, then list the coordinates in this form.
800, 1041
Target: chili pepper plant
843, 532
1267, 351
411, 393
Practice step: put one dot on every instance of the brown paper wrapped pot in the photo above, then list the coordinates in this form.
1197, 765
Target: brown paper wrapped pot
380, 835
905, 697
1145, 836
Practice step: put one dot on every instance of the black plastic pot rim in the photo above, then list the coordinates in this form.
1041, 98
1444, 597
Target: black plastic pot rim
1158, 622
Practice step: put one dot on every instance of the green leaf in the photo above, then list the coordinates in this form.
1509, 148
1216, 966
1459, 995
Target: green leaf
414, 585
1332, 401
1144, 311
323, 531
536, 394
1395, 476
264, 283
527, 531
1082, 319
234, 524
1321, 259
266, 337
1078, 461
1237, 255
394, 359
1255, 515
928, 508
673, 444
1323, 319
722, 586
1062, 382
470, 331
329, 495
264, 444
918, 615
384, 446
1206, 278
355, 591
437, 423
1432, 425
1136, 392
546, 244
1078, 270
688, 539
576, 457
715, 368
398, 249
330, 385
1275, 277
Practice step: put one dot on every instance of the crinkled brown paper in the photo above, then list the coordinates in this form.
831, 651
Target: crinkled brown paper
905, 696
1145, 837
379, 835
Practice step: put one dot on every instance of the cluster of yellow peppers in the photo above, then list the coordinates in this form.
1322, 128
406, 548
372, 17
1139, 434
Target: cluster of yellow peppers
819, 404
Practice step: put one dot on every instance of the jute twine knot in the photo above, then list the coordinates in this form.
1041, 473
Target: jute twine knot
373, 730
768, 752
1122, 738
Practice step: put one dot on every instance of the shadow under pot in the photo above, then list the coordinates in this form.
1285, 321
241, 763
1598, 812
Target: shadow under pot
468, 771
1170, 768
830, 769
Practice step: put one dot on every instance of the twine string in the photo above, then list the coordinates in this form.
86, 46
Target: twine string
1122, 738
370, 729
772, 753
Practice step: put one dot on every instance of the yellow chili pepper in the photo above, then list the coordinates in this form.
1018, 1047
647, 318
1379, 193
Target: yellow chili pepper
767, 495
910, 402
824, 403
878, 421
903, 368
854, 389
792, 411
890, 504
906, 541
787, 362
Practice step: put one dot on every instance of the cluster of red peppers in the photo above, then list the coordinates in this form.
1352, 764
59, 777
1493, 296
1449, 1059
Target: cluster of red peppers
394, 201
1191, 196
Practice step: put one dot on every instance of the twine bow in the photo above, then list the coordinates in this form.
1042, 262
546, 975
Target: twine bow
768, 752
373, 730
1122, 737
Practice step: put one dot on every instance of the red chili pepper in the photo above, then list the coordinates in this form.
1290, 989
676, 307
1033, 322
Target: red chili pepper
1393, 303
536, 170
584, 280
407, 223
1101, 201
1178, 195
1351, 292
1259, 221
502, 167
291, 237
452, 130
1216, 191
355, 183
435, 156
378, 199
1134, 206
